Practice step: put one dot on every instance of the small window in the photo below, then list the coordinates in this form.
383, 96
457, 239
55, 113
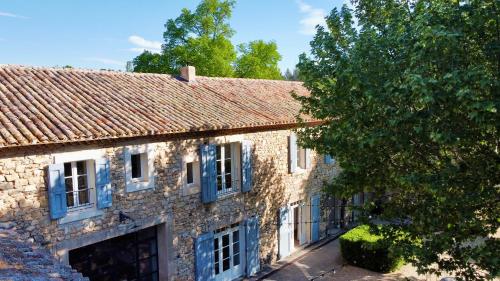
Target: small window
135, 160
139, 167
189, 173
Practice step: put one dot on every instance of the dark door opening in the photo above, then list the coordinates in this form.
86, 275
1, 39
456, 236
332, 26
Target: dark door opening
296, 238
131, 257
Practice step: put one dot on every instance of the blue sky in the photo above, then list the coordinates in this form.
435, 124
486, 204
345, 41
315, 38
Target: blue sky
106, 34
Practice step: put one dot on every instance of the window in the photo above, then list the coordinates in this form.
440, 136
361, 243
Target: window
227, 157
139, 167
135, 160
189, 173
79, 188
227, 248
301, 157
76, 182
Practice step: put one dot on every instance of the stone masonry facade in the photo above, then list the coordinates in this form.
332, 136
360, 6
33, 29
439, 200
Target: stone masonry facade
24, 197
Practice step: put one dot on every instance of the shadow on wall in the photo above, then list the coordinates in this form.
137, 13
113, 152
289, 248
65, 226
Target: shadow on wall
267, 196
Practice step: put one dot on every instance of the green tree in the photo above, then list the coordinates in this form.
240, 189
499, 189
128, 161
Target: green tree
148, 62
409, 100
258, 59
200, 38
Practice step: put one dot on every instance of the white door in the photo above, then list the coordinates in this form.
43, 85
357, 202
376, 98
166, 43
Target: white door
229, 254
285, 232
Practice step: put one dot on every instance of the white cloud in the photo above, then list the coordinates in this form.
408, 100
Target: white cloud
312, 18
144, 45
106, 61
10, 15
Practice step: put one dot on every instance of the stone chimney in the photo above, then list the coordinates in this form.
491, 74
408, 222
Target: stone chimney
188, 73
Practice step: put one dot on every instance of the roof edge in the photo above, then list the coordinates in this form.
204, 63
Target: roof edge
109, 142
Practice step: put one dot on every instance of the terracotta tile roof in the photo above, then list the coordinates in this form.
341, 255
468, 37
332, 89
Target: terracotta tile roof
42, 106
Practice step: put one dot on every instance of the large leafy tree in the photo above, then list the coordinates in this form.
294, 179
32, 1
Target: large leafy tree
200, 38
409, 98
258, 59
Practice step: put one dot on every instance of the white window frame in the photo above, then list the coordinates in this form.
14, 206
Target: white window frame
89, 156
234, 271
301, 158
195, 187
146, 181
235, 168
90, 178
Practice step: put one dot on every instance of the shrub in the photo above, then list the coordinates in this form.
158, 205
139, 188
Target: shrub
362, 248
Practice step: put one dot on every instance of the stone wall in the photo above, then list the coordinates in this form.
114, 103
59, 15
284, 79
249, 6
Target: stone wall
24, 198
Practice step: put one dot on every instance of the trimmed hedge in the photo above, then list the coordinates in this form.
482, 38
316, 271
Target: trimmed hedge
361, 248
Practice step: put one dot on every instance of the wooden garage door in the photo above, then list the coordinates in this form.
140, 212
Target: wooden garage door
129, 257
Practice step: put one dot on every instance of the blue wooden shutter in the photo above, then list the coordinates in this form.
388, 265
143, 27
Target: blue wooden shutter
246, 166
284, 232
328, 159
103, 183
208, 173
204, 259
252, 245
315, 218
308, 158
57, 191
292, 153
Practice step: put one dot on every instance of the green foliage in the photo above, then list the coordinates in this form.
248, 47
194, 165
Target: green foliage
410, 100
258, 59
202, 38
148, 62
361, 247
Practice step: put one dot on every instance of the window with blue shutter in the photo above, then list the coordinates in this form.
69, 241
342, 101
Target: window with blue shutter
57, 191
204, 257
252, 245
208, 173
284, 232
292, 153
246, 166
103, 183
315, 218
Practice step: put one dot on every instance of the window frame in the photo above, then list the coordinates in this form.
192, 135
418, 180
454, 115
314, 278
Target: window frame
234, 271
90, 179
146, 181
235, 152
301, 158
195, 186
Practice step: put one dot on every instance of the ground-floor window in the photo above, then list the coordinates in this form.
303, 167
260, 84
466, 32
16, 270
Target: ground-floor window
129, 257
228, 252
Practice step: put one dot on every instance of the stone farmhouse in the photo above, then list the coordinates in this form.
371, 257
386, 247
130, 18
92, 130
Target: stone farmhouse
127, 176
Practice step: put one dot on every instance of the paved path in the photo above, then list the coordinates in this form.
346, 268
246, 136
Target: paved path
326, 264
312, 265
